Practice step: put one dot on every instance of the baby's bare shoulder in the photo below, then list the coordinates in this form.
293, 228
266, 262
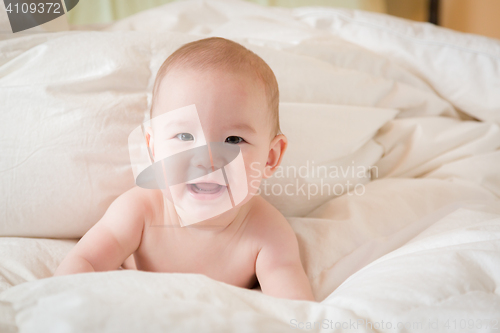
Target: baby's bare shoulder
139, 201
267, 222
277, 242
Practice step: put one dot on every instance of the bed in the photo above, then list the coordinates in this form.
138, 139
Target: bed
410, 244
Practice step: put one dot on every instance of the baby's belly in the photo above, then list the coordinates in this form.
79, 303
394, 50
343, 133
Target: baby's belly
232, 265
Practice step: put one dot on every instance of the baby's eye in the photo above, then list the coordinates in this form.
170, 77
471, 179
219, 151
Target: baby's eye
185, 137
234, 140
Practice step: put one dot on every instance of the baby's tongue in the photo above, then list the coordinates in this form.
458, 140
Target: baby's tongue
207, 186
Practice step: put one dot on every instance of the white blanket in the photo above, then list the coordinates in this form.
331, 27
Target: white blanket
419, 250
442, 280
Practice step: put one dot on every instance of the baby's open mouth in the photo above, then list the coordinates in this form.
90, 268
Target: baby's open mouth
206, 187
206, 191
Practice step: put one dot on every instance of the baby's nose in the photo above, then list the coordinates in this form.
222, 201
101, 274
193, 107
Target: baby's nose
223, 153
187, 165
201, 159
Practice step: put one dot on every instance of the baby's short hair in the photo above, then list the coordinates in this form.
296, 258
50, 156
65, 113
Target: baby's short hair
221, 53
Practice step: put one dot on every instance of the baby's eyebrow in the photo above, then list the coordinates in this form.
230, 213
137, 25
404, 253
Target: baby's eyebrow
243, 127
176, 123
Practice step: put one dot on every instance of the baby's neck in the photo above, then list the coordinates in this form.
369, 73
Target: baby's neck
226, 223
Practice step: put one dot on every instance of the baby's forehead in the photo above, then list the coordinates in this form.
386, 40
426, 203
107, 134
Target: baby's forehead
211, 72
189, 82
183, 116
185, 85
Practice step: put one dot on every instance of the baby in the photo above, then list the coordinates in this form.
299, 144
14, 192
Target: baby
234, 95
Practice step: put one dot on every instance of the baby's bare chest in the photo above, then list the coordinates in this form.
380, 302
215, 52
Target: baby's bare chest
227, 259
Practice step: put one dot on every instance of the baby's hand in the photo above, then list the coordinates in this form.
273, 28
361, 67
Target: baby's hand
278, 266
111, 240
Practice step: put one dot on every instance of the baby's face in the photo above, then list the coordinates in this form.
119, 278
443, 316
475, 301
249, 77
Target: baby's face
229, 108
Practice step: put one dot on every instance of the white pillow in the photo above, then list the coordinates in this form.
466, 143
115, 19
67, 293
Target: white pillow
67, 114
330, 152
69, 102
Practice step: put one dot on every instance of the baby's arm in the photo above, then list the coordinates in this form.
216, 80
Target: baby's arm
278, 266
111, 240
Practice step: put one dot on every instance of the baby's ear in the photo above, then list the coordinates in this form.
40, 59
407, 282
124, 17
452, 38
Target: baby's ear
150, 142
276, 151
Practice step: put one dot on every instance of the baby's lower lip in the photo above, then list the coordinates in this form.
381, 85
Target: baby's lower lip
206, 191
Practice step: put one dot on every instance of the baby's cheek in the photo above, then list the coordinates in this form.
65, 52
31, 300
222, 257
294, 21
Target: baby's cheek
162, 151
254, 176
255, 161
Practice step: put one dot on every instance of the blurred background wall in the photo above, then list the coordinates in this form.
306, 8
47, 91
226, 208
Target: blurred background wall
472, 16
102, 11
475, 16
